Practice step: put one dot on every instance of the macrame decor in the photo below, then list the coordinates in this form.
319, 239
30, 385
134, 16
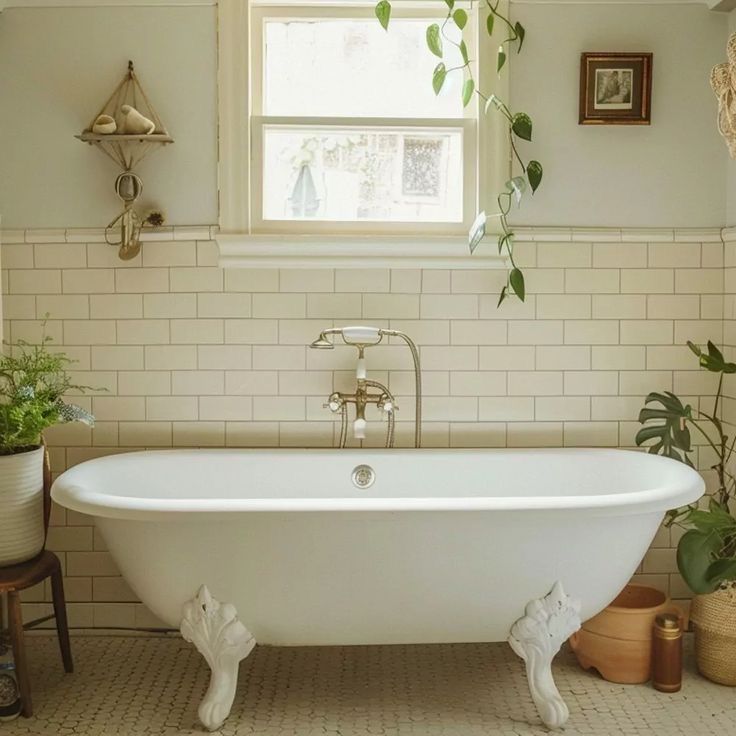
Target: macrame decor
126, 129
723, 82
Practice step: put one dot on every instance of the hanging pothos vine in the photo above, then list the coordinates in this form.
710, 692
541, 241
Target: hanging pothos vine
519, 123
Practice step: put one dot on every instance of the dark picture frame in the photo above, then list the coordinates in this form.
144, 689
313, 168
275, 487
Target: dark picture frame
615, 88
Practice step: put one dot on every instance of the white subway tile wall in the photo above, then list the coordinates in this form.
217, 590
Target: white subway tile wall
191, 355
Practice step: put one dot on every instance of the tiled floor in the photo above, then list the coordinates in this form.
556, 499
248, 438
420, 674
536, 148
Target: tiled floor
135, 686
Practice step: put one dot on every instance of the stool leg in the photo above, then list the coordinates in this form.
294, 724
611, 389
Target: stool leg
62, 628
15, 622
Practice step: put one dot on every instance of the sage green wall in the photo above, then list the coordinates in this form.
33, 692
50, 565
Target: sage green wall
671, 173
57, 67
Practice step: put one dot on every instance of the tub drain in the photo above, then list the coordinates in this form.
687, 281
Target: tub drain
363, 476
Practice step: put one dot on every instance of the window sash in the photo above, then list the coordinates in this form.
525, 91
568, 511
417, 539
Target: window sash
467, 127
264, 12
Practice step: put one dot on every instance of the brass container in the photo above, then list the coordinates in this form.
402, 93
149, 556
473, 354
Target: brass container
667, 653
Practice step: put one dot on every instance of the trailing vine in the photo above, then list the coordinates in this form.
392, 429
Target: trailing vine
519, 123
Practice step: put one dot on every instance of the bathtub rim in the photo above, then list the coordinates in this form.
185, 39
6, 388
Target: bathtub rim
73, 495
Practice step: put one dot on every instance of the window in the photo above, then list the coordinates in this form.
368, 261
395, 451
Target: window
346, 133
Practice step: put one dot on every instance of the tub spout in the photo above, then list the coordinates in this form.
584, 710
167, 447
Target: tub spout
359, 426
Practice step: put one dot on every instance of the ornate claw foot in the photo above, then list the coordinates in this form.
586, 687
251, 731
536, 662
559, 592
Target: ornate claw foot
215, 630
536, 638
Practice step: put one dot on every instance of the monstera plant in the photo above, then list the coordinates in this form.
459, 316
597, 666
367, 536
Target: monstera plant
511, 34
706, 553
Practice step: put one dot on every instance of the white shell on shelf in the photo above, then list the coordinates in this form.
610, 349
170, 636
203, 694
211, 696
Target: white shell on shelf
104, 125
134, 123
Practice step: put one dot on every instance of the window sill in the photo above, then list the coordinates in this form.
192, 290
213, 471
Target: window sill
317, 251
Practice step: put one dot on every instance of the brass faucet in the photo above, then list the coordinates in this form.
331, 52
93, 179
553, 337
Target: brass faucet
361, 338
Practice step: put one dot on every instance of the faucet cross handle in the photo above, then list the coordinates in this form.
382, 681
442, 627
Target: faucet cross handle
387, 404
334, 403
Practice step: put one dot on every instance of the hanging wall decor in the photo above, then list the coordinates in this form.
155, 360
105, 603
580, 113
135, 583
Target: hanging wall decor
615, 89
126, 129
723, 82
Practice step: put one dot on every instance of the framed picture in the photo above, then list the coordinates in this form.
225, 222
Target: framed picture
615, 89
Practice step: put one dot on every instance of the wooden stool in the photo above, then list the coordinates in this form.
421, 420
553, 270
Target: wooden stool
16, 578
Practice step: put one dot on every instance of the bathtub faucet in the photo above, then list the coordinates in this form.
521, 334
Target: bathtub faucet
362, 338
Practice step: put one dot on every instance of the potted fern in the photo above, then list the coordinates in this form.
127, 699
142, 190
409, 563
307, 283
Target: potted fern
706, 553
33, 381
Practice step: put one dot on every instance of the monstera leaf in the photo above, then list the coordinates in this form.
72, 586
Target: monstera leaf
671, 435
713, 360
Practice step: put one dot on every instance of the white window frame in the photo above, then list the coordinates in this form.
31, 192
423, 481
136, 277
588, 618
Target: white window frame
243, 233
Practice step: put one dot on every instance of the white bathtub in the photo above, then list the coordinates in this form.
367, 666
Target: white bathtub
445, 546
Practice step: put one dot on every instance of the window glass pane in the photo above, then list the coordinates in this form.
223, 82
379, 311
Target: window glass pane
354, 68
378, 174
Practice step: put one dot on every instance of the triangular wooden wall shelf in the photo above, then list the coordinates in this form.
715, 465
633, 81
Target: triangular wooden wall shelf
127, 151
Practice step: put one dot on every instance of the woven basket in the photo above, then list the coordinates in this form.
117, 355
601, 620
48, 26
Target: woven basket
714, 619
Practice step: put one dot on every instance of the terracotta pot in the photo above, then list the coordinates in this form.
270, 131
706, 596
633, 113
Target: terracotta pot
618, 641
714, 620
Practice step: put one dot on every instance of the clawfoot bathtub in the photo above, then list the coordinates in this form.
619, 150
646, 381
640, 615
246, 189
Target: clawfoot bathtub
308, 547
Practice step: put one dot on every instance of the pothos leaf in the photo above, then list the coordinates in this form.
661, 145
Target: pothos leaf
433, 40
477, 231
489, 23
463, 51
501, 297
516, 279
460, 17
520, 35
500, 59
383, 13
521, 124
438, 77
517, 187
534, 173
450, 4
468, 89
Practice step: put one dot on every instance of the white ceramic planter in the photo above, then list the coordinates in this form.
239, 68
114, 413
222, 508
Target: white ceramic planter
21, 506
